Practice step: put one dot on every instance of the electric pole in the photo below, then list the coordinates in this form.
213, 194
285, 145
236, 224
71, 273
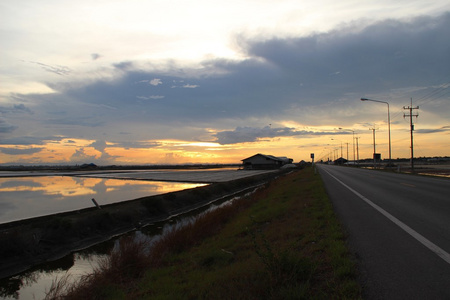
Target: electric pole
411, 115
354, 147
347, 152
374, 146
357, 148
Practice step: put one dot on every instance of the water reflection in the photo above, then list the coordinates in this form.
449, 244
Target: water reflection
34, 283
27, 197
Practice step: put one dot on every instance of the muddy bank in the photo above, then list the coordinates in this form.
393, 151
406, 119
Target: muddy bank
26, 243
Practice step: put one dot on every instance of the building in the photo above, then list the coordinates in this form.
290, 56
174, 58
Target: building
263, 162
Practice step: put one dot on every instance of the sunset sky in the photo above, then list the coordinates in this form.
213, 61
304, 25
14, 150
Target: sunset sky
156, 82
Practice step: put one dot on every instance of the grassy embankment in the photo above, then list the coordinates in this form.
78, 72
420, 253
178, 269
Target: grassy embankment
283, 242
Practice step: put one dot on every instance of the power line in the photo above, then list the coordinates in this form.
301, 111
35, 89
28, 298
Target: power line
437, 93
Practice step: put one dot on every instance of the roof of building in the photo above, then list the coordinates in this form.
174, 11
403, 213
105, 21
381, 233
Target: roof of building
279, 158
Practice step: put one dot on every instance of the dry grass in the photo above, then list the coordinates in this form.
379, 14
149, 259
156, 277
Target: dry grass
117, 271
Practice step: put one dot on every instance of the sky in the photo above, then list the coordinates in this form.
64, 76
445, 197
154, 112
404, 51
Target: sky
178, 82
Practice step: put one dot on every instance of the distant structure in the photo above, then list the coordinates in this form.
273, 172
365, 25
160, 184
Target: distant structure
265, 162
88, 166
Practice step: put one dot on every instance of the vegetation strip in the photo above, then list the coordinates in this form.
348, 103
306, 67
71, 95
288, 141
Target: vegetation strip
283, 242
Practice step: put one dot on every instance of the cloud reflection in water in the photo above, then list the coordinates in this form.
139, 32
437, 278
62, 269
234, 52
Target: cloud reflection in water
22, 198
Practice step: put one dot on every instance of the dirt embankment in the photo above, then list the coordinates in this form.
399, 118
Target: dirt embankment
26, 243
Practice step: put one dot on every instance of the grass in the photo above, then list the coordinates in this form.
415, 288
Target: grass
282, 242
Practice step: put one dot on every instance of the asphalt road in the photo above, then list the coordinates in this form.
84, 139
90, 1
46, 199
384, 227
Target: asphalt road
398, 228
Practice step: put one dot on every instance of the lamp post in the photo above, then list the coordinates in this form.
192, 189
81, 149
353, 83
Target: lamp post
374, 147
389, 123
354, 159
353, 142
341, 146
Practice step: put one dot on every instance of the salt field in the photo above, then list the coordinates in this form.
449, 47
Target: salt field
26, 195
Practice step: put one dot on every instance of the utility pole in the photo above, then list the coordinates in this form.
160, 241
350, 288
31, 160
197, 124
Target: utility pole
374, 146
354, 147
347, 152
411, 115
357, 148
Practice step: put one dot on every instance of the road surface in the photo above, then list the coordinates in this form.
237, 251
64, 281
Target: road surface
398, 228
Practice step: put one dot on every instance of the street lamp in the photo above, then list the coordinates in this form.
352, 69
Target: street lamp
353, 142
389, 123
341, 146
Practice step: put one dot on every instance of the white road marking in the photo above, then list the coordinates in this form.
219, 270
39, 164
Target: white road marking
424, 241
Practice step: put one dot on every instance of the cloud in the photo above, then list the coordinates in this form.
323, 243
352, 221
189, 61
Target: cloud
75, 121
30, 140
190, 86
124, 65
136, 144
251, 134
152, 97
5, 127
80, 156
99, 145
57, 69
434, 130
384, 55
155, 81
15, 108
17, 151
95, 56
105, 157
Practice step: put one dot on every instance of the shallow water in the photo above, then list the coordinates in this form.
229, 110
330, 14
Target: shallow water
34, 283
27, 197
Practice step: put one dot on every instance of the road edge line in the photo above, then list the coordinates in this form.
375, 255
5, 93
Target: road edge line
423, 240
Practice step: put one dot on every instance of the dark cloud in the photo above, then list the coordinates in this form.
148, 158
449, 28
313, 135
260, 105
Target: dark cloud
99, 145
15, 108
5, 127
29, 140
80, 156
251, 134
57, 69
387, 54
433, 130
16, 151
105, 157
124, 66
95, 56
136, 144
84, 120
